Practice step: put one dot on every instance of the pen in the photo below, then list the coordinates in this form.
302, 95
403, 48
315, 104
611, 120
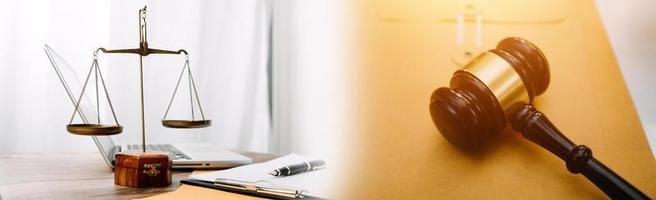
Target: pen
234, 184
298, 168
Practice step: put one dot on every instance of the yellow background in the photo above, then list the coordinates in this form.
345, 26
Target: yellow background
396, 152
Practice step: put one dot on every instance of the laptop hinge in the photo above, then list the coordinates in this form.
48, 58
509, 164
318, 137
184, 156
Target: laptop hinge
112, 153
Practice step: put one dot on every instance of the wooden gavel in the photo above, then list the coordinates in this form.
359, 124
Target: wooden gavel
496, 88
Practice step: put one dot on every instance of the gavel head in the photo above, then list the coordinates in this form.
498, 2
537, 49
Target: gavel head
475, 106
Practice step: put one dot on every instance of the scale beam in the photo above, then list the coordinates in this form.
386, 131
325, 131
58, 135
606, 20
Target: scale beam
143, 51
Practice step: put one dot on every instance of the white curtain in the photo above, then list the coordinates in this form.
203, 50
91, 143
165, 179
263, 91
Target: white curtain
311, 83
271, 74
228, 42
33, 106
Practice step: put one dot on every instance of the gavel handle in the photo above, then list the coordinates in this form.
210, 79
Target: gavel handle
535, 127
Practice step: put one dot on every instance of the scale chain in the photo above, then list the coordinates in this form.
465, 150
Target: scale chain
77, 104
195, 91
176, 88
109, 101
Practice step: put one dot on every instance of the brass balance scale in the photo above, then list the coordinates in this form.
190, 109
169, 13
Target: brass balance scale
152, 168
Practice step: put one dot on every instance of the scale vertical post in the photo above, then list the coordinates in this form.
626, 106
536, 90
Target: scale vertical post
142, 45
154, 168
143, 121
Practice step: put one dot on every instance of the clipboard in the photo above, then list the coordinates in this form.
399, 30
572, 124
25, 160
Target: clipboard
256, 192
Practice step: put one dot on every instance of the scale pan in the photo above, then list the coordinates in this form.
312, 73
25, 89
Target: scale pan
186, 123
94, 129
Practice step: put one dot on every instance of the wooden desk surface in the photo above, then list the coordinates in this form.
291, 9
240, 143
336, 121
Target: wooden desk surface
73, 176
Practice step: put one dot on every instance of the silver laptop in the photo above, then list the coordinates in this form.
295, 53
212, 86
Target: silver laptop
184, 156
190, 155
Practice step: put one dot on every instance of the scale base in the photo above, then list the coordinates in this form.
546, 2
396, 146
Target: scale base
141, 170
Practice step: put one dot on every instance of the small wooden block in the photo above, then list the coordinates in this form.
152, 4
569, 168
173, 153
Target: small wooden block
139, 170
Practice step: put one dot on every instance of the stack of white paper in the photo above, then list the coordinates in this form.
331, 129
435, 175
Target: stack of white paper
314, 183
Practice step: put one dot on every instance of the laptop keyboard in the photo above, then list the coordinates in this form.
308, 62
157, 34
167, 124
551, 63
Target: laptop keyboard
176, 154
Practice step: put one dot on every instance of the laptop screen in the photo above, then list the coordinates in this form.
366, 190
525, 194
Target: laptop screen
72, 86
105, 146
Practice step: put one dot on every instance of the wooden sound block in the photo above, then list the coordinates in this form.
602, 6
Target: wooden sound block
140, 170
